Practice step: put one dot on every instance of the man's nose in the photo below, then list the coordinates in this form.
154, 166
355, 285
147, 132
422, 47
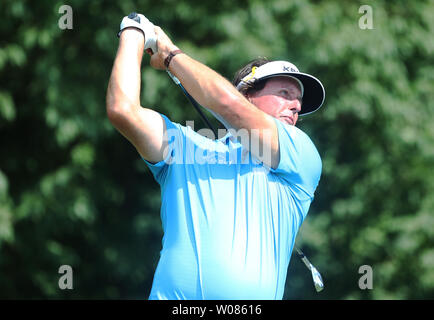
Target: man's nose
295, 106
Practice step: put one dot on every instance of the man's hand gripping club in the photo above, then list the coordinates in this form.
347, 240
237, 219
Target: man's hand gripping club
157, 43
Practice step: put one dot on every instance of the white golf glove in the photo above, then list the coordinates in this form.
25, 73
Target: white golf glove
140, 22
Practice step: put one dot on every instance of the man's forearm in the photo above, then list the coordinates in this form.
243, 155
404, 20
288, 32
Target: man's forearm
124, 84
209, 88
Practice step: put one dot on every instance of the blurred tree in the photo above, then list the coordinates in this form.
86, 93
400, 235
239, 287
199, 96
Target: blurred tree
73, 191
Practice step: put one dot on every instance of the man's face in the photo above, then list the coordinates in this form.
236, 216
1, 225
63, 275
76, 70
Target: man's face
280, 98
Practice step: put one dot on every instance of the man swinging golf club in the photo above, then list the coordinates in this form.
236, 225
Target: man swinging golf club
231, 207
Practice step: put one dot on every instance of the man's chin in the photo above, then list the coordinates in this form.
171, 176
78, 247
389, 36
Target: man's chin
287, 120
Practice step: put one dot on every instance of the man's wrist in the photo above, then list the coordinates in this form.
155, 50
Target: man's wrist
169, 58
167, 52
132, 34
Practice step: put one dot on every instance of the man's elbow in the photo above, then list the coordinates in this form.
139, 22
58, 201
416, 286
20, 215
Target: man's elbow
117, 111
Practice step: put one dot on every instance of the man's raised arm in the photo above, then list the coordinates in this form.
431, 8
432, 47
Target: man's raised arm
144, 128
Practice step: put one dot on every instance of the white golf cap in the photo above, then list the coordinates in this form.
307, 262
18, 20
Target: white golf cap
312, 90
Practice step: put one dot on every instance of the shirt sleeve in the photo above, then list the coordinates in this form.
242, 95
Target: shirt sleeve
300, 163
183, 143
175, 137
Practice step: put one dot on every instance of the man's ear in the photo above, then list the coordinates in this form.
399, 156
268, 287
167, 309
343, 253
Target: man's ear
248, 97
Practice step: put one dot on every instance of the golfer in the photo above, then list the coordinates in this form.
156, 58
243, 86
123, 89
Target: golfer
231, 207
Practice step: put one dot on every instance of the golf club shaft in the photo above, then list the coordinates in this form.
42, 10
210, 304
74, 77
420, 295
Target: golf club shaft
194, 103
303, 258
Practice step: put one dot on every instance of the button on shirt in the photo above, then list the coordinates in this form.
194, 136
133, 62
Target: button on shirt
230, 222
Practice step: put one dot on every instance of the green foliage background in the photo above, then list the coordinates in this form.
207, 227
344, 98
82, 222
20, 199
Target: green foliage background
74, 191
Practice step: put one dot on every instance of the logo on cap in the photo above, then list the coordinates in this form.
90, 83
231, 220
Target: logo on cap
289, 69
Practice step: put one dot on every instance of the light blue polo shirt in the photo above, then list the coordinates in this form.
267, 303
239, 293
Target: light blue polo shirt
230, 222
